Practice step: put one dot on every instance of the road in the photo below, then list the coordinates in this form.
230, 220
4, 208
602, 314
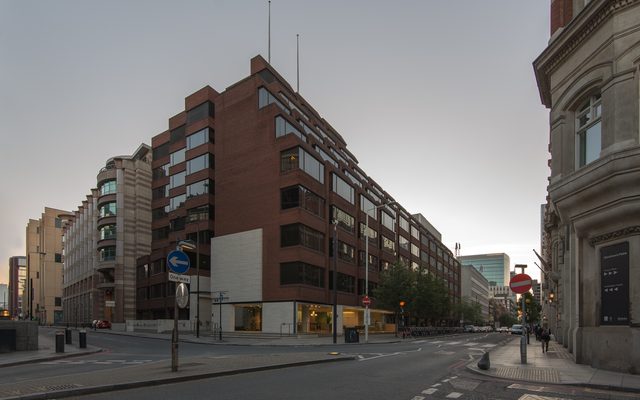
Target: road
433, 368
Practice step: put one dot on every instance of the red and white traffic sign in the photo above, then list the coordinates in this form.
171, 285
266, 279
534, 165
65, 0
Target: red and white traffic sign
366, 301
520, 283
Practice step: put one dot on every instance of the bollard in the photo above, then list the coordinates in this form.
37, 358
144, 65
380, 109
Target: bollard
523, 350
82, 338
59, 342
67, 335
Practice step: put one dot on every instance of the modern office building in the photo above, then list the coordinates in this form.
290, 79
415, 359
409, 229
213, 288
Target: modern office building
475, 289
103, 240
494, 267
588, 78
257, 169
17, 282
43, 297
4, 296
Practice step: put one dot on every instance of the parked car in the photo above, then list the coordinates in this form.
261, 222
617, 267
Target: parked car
503, 329
516, 329
100, 324
469, 328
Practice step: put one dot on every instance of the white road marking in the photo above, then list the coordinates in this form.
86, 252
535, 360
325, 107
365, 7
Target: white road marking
418, 398
453, 343
446, 380
419, 341
471, 344
437, 342
488, 345
454, 395
436, 384
454, 377
429, 391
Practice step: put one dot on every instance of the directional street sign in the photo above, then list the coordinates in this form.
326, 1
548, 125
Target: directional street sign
520, 283
182, 295
178, 261
173, 277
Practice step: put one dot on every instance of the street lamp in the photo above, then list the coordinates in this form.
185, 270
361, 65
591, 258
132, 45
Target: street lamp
366, 266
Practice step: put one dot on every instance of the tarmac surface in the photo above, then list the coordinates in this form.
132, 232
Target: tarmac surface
553, 367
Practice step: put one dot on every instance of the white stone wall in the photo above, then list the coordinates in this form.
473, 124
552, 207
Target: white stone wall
274, 315
236, 266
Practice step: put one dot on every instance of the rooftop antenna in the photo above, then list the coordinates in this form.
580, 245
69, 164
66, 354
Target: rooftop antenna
298, 62
269, 40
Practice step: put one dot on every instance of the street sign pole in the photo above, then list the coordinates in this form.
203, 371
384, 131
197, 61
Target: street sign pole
523, 339
178, 262
174, 337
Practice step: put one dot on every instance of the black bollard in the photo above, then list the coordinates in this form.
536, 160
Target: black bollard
67, 333
484, 362
82, 338
59, 342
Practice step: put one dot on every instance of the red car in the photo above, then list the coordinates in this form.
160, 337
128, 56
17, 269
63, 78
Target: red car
99, 324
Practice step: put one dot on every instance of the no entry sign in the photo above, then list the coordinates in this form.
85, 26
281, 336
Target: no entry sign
520, 283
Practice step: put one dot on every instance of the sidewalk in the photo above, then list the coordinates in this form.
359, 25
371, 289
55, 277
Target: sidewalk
555, 367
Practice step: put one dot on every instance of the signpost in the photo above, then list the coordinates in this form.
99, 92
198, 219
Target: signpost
221, 297
521, 284
173, 277
179, 263
366, 302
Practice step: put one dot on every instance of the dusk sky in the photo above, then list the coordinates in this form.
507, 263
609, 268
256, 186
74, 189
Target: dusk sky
436, 99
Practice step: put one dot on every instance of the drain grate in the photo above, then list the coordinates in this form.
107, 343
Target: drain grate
66, 386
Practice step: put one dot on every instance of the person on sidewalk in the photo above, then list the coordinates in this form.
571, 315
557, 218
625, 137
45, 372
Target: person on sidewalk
546, 337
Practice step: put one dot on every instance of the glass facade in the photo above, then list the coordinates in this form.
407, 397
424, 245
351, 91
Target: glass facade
108, 187
107, 209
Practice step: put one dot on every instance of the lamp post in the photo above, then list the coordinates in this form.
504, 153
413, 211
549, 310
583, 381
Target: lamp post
335, 281
366, 266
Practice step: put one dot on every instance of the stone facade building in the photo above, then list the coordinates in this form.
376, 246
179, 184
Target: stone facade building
588, 77
108, 232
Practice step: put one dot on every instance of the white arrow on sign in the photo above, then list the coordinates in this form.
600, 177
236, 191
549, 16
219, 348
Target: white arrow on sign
175, 261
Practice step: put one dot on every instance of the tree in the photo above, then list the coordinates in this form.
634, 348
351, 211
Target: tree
397, 283
533, 308
432, 298
469, 311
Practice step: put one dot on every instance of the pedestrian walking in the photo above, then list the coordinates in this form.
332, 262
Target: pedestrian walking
546, 337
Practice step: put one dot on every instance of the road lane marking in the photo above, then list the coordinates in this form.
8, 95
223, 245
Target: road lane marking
436, 384
429, 391
471, 344
454, 395
418, 398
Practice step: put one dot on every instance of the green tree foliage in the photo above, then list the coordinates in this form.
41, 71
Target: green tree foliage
426, 297
533, 308
469, 312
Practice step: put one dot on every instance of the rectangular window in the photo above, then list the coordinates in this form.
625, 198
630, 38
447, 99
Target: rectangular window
158, 213
424, 256
373, 261
325, 156
199, 163
265, 98
177, 157
57, 222
201, 187
157, 267
58, 301
176, 180
371, 234
404, 224
284, 127
345, 283
388, 221
161, 172
589, 131
298, 234
297, 158
161, 151
403, 242
201, 213
201, 137
415, 250
299, 196
160, 233
388, 244
344, 219
159, 192
176, 134
107, 253
368, 207
142, 272
345, 252
415, 232
176, 202
177, 224
353, 178
202, 111
58, 257
343, 189
300, 273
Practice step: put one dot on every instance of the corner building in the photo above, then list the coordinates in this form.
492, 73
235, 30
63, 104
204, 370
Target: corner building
588, 77
262, 176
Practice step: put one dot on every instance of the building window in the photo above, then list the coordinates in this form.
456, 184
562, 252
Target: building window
373, 260
299, 273
415, 232
403, 242
265, 98
58, 301
388, 221
176, 202
200, 163
108, 253
108, 232
404, 224
161, 172
176, 134
159, 192
297, 158
298, 234
201, 137
201, 187
248, 317
202, 111
201, 213
344, 219
107, 210
325, 156
589, 131
388, 244
161, 151
415, 250
371, 234
177, 224
299, 196
177, 157
368, 207
58, 257
108, 187
284, 127
343, 189
345, 252
177, 179
57, 222
346, 283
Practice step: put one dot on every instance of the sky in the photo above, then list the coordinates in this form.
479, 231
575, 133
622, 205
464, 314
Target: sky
437, 99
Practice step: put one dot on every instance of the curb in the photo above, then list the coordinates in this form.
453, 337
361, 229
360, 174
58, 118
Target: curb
178, 379
51, 358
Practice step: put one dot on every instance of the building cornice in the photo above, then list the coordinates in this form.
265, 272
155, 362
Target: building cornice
572, 36
628, 231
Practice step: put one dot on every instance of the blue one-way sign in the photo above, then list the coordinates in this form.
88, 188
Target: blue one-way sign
178, 262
